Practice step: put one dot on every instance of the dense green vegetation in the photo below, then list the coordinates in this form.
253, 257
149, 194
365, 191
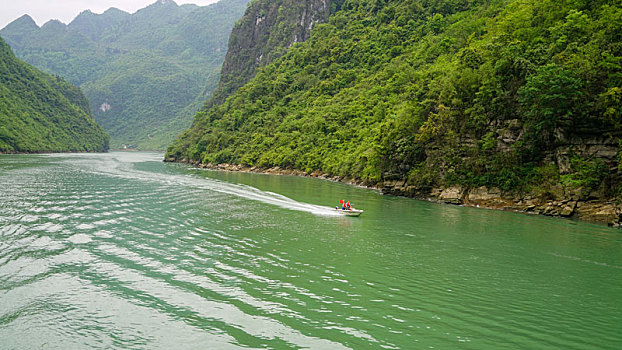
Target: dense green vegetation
145, 74
43, 113
264, 34
467, 92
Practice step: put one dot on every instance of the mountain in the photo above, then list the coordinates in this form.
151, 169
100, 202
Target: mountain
43, 113
516, 101
265, 33
145, 74
94, 26
23, 28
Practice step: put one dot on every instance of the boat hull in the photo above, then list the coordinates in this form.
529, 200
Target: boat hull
351, 212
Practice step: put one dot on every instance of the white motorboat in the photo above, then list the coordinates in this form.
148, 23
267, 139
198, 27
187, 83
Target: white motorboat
349, 212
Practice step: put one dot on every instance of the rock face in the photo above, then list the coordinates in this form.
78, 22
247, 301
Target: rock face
563, 203
451, 195
552, 199
265, 32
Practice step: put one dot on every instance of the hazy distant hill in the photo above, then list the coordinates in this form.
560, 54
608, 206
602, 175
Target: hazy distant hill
146, 73
42, 113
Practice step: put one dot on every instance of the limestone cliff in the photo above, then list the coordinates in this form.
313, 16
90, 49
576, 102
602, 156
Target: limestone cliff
263, 34
550, 198
485, 103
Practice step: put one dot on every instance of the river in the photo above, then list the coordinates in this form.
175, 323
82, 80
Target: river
123, 251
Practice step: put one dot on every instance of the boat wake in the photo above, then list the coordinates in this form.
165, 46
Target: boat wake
122, 166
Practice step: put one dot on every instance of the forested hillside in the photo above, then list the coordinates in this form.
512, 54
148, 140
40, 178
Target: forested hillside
42, 113
421, 95
145, 74
265, 33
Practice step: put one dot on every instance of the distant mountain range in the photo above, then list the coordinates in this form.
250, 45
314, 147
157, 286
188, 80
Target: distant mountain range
145, 74
43, 113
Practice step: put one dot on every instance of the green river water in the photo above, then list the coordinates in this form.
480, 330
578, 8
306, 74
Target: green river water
123, 251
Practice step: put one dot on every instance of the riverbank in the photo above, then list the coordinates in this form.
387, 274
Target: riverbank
48, 152
558, 203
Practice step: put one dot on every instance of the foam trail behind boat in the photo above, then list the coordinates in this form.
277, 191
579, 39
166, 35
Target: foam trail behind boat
122, 166
253, 193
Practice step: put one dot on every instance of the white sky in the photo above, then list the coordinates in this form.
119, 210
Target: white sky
66, 10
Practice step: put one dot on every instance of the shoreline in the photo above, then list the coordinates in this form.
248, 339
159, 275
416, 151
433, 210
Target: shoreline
561, 205
51, 152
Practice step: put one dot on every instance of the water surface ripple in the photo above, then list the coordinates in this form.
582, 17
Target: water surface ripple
123, 251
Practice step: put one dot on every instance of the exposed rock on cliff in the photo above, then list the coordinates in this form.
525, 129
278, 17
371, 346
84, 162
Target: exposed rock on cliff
505, 104
263, 34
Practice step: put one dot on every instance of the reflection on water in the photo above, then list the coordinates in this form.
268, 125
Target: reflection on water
123, 251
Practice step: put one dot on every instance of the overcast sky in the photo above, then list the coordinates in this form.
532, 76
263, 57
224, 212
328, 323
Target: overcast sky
66, 10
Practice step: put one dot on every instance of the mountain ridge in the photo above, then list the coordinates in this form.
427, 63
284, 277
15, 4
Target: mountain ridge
176, 50
42, 113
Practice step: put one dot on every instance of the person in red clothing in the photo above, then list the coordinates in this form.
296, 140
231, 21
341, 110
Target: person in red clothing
344, 205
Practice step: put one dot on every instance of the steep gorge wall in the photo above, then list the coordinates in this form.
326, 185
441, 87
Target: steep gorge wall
474, 103
549, 198
43, 113
265, 32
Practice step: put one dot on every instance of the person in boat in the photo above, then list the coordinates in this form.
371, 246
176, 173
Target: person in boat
345, 205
